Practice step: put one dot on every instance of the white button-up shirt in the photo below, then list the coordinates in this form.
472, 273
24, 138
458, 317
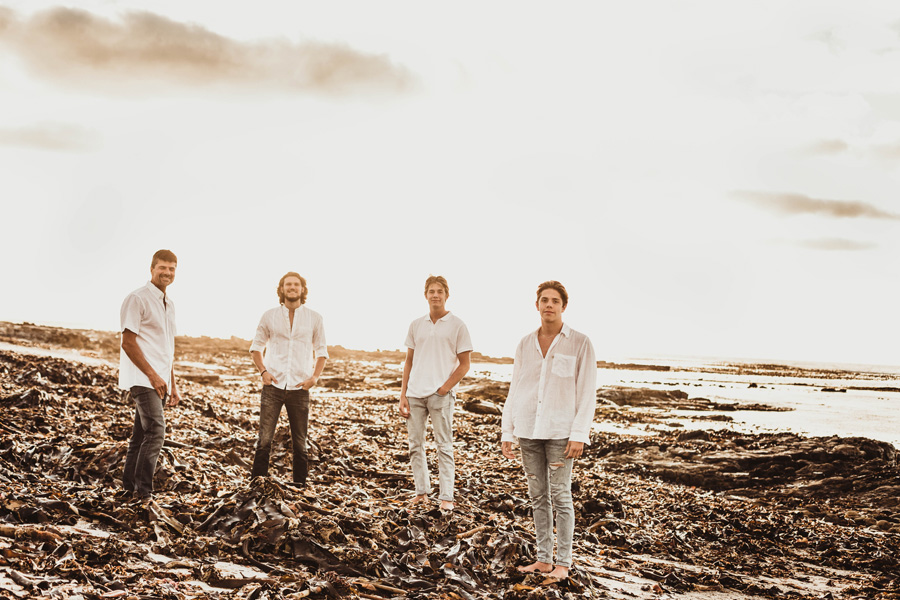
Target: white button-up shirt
153, 322
290, 352
552, 397
435, 346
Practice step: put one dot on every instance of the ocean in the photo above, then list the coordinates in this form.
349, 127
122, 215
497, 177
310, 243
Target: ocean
825, 399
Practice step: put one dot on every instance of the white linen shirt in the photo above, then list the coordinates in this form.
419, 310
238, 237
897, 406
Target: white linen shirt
290, 353
552, 397
435, 347
153, 322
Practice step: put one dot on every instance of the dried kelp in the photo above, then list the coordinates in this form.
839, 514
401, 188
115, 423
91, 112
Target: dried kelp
211, 531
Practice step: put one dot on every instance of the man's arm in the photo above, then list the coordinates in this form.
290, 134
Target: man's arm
585, 400
506, 420
320, 365
175, 396
407, 369
134, 352
458, 373
267, 378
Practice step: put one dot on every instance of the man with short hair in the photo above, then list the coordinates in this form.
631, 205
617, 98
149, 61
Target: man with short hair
436, 360
293, 338
549, 410
146, 370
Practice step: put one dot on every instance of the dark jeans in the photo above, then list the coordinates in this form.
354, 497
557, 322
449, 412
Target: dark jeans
147, 439
297, 404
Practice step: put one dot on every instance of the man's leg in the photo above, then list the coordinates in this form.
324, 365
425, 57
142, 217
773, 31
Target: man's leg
534, 462
153, 424
441, 410
270, 402
134, 445
561, 497
415, 427
297, 405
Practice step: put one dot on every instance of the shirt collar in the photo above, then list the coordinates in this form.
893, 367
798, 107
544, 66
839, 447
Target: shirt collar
428, 316
566, 330
157, 293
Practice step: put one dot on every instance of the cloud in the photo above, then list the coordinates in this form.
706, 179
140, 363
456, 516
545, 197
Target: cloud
78, 48
49, 136
826, 148
838, 244
798, 204
887, 151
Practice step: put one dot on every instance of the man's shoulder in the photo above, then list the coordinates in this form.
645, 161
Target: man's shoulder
578, 337
312, 314
272, 311
455, 319
138, 294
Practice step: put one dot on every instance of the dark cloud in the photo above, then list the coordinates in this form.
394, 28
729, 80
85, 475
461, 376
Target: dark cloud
798, 204
49, 136
826, 147
839, 244
76, 47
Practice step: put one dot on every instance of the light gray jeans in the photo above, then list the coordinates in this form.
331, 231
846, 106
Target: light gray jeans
549, 476
440, 408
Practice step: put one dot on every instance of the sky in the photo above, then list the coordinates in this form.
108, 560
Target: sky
707, 178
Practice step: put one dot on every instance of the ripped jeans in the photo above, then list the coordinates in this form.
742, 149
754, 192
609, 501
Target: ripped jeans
549, 476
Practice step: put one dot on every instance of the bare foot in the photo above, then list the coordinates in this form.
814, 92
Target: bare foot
539, 567
418, 500
559, 572
446, 505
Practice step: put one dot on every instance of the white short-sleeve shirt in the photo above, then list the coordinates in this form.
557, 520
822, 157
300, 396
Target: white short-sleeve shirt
436, 347
150, 315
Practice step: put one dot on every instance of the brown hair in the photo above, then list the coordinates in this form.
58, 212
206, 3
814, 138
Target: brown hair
554, 285
437, 279
166, 255
280, 291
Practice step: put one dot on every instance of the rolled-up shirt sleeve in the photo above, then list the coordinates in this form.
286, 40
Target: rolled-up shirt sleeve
585, 394
262, 336
319, 345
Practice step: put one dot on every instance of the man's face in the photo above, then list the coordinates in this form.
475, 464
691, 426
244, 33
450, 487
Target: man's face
550, 305
436, 296
292, 289
162, 274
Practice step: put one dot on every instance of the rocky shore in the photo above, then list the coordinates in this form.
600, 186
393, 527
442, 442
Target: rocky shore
676, 514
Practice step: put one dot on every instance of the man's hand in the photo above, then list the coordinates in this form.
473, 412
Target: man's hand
159, 385
309, 383
268, 379
174, 399
506, 449
574, 449
404, 406
443, 391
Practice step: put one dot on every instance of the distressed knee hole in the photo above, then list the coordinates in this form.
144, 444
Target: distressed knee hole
554, 466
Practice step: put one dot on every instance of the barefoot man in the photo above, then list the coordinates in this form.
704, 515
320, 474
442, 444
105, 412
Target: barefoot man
549, 410
437, 358
293, 339
146, 370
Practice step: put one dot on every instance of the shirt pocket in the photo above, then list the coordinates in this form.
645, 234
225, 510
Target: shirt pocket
563, 365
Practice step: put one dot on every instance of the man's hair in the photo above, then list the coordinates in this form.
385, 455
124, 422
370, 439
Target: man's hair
554, 285
281, 284
166, 255
437, 279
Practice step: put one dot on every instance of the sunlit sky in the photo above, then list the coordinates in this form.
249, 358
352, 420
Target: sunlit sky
707, 178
